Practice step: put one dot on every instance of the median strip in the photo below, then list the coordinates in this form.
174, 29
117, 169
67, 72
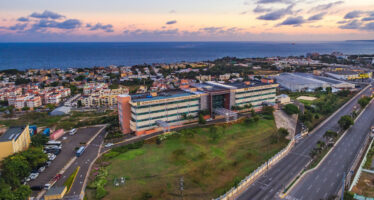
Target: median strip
70, 181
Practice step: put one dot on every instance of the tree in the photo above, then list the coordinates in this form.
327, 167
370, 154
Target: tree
15, 168
35, 157
201, 119
364, 101
330, 134
268, 110
25, 108
51, 106
291, 109
282, 132
345, 122
39, 140
23, 192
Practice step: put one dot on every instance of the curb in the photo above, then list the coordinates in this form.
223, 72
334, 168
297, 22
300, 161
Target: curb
328, 153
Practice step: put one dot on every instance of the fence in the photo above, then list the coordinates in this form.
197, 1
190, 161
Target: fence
235, 191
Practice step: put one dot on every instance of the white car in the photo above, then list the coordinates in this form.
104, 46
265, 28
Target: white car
109, 145
34, 176
72, 131
41, 169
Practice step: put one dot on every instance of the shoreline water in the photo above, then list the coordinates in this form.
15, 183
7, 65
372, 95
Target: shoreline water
87, 54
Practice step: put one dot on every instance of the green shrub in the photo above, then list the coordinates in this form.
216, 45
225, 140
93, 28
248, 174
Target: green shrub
291, 109
100, 192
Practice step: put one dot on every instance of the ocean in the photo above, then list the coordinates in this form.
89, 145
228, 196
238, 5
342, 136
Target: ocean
64, 55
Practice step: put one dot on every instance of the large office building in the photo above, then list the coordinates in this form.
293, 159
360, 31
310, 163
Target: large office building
150, 112
14, 140
297, 82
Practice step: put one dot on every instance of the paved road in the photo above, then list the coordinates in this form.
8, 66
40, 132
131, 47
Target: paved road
84, 162
67, 152
274, 181
326, 180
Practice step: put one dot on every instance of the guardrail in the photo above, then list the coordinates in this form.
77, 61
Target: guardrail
235, 191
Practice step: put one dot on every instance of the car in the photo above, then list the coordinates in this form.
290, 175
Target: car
48, 163
41, 169
37, 187
47, 186
34, 176
72, 131
372, 129
109, 145
27, 179
210, 119
57, 177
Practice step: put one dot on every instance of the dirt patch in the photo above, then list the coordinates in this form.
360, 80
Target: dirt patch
282, 120
306, 98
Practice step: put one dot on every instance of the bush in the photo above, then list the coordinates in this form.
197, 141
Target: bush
291, 109
364, 101
345, 122
100, 192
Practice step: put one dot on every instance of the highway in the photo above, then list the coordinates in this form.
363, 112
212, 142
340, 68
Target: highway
327, 179
269, 185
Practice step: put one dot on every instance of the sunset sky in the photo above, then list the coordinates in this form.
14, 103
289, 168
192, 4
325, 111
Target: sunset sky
185, 20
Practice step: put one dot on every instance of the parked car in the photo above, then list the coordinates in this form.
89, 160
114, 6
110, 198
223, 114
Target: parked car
41, 169
36, 187
34, 176
72, 131
109, 145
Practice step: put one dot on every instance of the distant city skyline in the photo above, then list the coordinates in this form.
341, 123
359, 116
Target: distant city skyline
193, 20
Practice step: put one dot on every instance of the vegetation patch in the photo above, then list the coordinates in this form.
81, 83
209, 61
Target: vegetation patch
210, 160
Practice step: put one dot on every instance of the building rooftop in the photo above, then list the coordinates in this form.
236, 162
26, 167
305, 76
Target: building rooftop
12, 133
161, 95
240, 85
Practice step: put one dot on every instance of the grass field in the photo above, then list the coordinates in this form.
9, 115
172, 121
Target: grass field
209, 166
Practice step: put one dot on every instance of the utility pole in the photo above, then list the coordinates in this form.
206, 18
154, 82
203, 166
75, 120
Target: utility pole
181, 186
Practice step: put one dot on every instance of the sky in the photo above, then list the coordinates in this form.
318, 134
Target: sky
185, 20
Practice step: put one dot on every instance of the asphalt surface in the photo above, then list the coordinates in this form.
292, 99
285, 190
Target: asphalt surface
327, 179
269, 185
67, 153
83, 162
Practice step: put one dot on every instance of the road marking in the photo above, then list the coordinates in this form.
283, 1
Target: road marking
310, 186
318, 190
325, 179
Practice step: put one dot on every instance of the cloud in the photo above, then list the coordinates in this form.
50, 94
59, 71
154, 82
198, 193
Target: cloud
367, 19
294, 21
353, 14
107, 28
277, 14
324, 7
369, 27
172, 11
67, 24
260, 9
18, 27
171, 22
355, 24
47, 15
317, 16
274, 1
23, 19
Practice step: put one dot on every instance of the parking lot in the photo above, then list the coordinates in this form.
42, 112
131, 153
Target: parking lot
68, 149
